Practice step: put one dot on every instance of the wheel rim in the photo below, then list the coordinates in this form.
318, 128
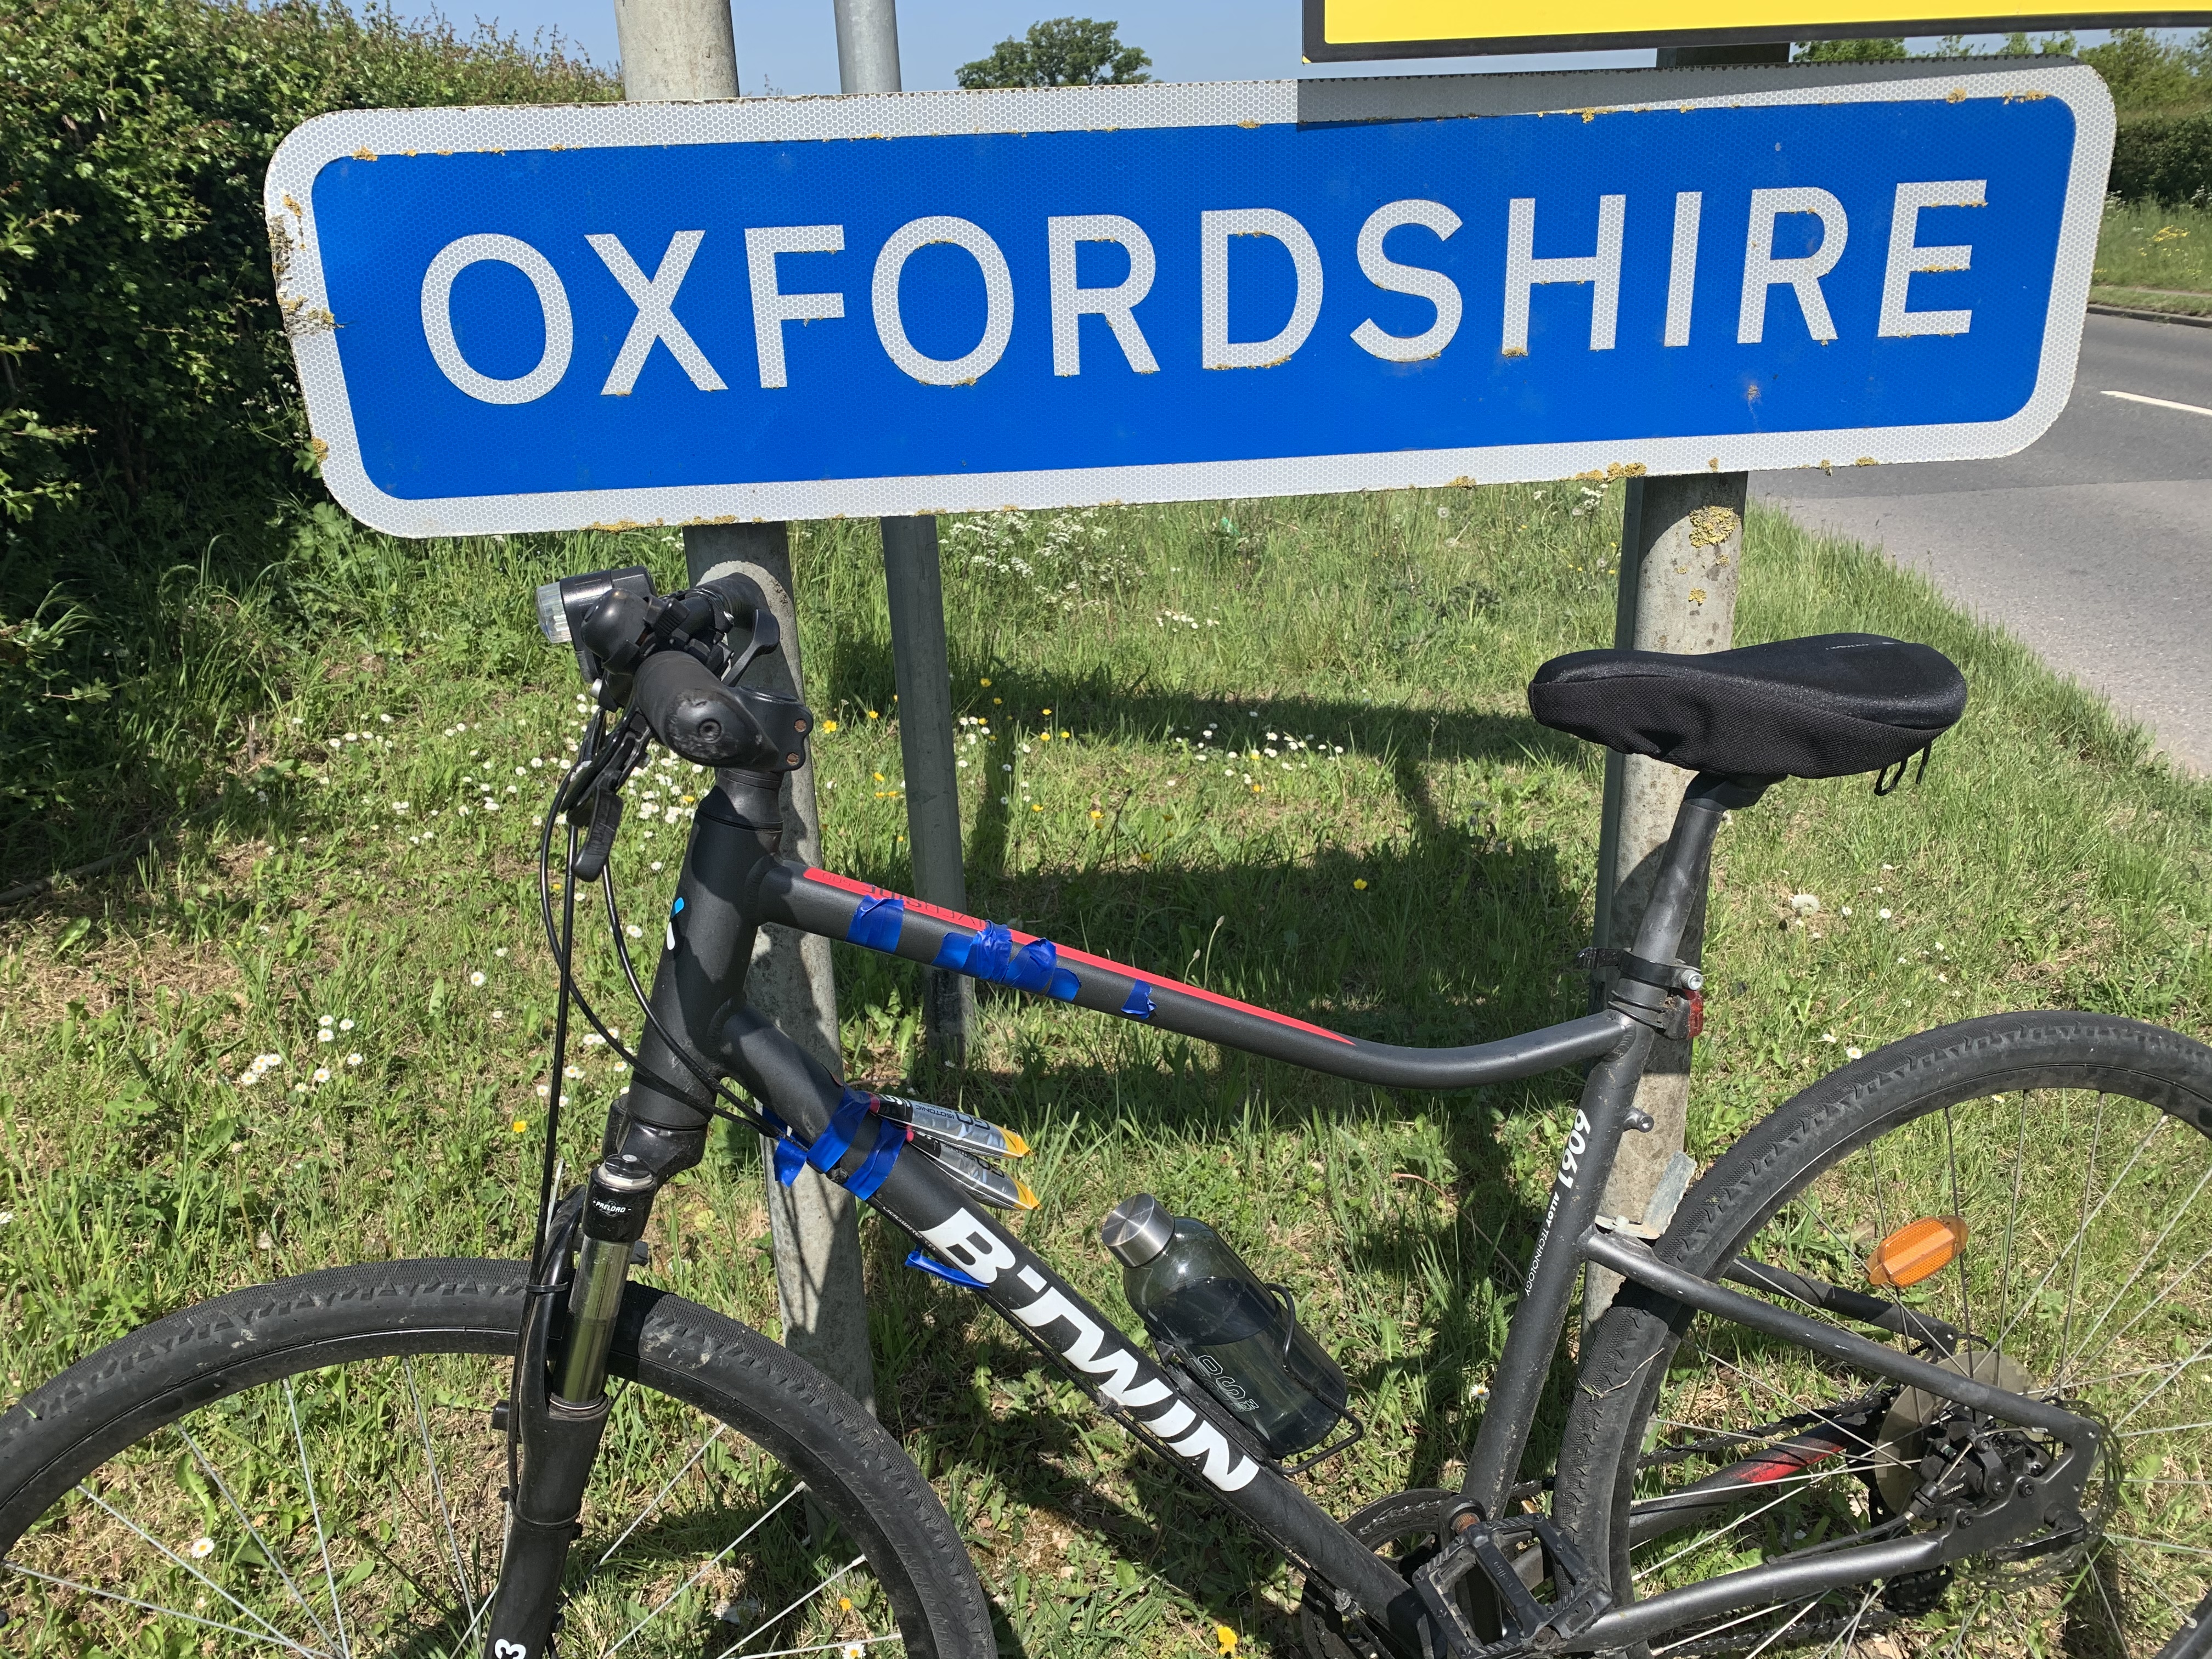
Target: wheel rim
2088, 1229
356, 1509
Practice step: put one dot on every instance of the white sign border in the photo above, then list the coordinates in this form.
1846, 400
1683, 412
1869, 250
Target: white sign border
364, 134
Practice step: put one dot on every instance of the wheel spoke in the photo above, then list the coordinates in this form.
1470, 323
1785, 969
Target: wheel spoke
438, 1488
315, 1508
777, 1618
285, 1642
707, 1567
163, 1549
667, 1486
268, 1554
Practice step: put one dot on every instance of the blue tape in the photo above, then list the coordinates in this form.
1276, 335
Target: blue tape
890, 1141
930, 1264
844, 1123
790, 1157
990, 955
878, 923
677, 908
1139, 1003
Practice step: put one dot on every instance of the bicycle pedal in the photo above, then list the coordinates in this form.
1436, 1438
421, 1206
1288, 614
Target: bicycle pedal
1524, 1624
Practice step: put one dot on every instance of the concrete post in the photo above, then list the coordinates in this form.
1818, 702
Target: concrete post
1682, 553
683, 48
868, 61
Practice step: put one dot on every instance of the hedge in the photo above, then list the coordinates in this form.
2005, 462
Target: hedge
154, 469
139, 351
2165, 158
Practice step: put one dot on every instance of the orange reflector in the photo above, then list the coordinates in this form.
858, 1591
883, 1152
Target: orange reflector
1913, 1252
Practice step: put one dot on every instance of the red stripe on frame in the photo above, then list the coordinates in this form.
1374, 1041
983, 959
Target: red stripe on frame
864, 889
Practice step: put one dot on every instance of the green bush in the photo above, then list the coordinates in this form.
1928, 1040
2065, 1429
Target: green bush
153, 459
2164, 159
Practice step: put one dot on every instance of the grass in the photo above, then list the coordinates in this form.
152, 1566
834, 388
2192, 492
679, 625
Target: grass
2155, 258
1412, 863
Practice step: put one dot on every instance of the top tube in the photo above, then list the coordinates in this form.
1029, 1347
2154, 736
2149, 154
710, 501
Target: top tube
839, 908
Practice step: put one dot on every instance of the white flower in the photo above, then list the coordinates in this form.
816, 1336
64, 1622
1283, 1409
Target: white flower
1847, 909
353, 1060
632, 930
327, 1020
6, 1218
499, 951
399, 806
345, 1025
322, 1074
476, 979
1884, 914
202, 1548
326, 1036
1853, 1053
1828, 1036
1804, 905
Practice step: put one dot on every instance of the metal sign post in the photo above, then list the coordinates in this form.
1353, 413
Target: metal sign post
685, 49
868, 61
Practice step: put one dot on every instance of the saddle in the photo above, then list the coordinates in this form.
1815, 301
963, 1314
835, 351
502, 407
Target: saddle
1823, 707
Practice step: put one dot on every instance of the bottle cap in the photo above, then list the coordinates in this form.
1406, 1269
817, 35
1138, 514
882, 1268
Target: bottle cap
1137, 1229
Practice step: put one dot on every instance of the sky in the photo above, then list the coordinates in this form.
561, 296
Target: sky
791, 45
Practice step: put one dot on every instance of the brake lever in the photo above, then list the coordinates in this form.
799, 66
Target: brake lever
602, 786
767, 639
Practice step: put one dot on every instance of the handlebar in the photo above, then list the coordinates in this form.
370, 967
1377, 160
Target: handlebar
670, 659
693, 713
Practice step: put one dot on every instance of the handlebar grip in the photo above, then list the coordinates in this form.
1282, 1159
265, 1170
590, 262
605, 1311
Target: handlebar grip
693, 713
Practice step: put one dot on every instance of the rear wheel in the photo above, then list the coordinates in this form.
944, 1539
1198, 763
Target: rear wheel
310, 1468
2074, 1150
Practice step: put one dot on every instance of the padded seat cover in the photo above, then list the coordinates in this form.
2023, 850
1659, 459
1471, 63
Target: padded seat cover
1824, 706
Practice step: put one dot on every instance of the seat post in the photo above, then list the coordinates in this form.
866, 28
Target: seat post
1689, 851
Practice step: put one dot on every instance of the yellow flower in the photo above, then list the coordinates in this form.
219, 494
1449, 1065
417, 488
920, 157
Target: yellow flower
1033, 807
1045, 738
879, 777
998, 700
985, 684
844, 1604
1096, 813
522, 1126
873, 715
829, 726
1226, 1637
1063, 734
1048, 711
1359, 884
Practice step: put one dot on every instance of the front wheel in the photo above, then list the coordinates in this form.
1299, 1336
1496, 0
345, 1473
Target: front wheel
2026, 1199
310, 1468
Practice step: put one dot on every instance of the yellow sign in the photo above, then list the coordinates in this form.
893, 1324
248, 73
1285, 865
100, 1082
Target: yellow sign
1341, 31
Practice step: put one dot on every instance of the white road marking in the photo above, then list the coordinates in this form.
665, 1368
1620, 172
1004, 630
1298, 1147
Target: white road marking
2161, 403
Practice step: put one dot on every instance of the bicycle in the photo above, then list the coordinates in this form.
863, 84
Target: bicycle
1853, 1391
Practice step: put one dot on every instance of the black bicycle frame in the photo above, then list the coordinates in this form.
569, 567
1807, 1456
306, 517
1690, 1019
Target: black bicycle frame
734, 880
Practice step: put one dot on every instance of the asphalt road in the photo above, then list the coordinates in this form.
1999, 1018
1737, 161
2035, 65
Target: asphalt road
2093, 544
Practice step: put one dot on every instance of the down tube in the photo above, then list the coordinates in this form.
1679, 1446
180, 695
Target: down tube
1020, 1286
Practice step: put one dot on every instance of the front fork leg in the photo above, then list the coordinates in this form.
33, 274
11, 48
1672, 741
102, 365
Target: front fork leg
563, 1411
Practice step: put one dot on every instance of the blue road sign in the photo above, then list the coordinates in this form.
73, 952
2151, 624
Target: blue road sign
550, 318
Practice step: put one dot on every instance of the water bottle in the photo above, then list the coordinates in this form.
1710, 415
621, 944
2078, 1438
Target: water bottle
1238, 1336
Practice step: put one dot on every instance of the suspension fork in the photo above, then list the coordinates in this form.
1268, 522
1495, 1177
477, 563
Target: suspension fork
655, 1131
